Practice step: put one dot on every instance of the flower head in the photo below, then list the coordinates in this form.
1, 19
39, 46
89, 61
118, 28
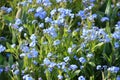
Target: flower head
2, 48
66, 59
82, 59
113, 69
81, 78
56, 42
60, 77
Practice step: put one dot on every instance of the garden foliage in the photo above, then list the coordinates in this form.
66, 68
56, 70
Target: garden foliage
59, 40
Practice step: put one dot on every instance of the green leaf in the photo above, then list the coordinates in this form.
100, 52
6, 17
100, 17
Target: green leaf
48, 75
7, 18
1, 59
98, 45
115, 11
108, 8
10, 59
92, 64
75, 73
92, 77
8, 45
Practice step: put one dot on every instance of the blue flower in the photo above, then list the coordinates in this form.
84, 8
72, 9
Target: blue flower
49, 54
33, 37
40, 15
92, 17
73, 67
18, 21
82, 59
16, 72
8, 55
69, 50
35, 62
65, 12
83, 45
38, 1
47, 19
98, 67
40, 78
81, 78
81, 13
27, 77
51, 31
113, 69
46, 3
90, 55
116, 44
34, 53
3, 8
78, 23
107, 39
1, 70
59, 22
7, 68
52, 12
31, 10
66, 59
24, 3
20, 29
76, 58
56, 42
41, 25
33, 44
60, 77
2, 48
58, 1
25, 49
2, 38
52, 64
39, 9
103, 19
46, 61
104, 67
30, 1
116, 34
118, 78
9, 10
92, 0
63, 64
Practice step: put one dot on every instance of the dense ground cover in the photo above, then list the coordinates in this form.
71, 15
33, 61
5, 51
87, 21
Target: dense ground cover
59, 40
